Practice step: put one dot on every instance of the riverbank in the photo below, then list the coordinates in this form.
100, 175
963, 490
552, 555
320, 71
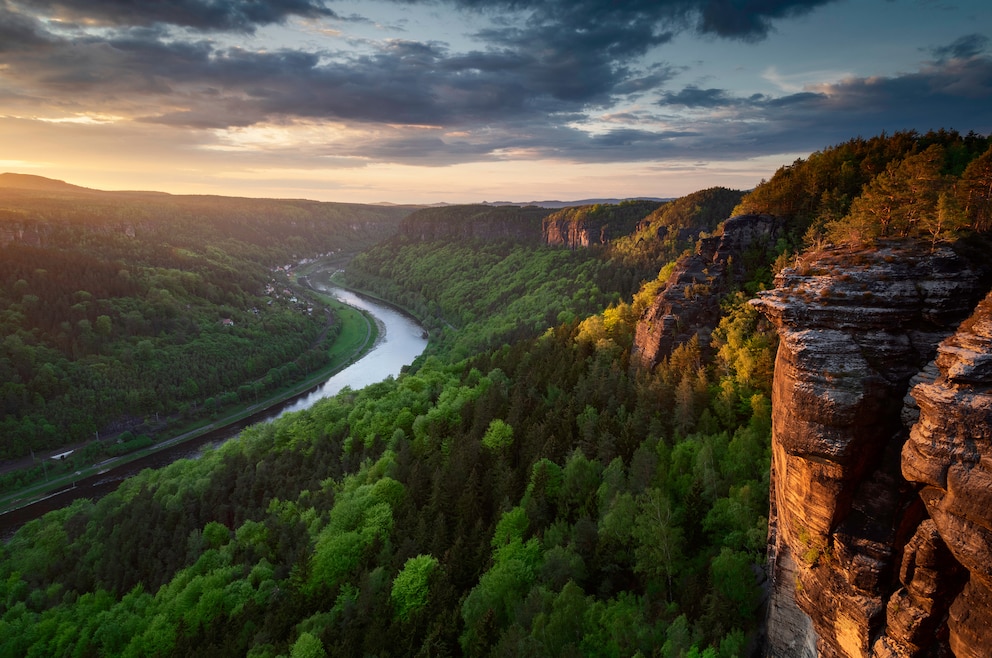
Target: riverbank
335, 279
359, 334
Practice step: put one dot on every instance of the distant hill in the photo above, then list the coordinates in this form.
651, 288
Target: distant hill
32, 182
475, 222
41, 183
571, 204
87, 275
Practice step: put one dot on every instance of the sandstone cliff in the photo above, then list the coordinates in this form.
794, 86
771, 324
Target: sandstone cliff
949, 453
862, 562
575, 227
584, 226
689, 303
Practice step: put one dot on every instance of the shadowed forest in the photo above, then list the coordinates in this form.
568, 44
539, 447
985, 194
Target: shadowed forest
124, 314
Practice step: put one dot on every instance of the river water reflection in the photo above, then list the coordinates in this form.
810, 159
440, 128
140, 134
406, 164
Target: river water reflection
401, 340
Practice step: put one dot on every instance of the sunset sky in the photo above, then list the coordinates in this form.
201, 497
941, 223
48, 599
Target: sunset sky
423, 101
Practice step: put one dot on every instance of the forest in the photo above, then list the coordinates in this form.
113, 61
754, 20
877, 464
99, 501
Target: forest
125, 312
522, 489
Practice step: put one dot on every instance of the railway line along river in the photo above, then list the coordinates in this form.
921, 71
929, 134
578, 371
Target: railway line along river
400, 341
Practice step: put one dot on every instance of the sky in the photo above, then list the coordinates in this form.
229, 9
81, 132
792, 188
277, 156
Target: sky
462, 101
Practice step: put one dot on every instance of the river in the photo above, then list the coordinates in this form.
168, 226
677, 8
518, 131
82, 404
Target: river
400, 341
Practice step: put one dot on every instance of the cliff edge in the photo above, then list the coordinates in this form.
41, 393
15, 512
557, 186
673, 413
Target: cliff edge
863, 561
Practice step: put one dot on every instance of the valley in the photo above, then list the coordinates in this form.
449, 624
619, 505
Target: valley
677, 429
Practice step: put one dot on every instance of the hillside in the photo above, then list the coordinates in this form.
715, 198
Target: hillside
476, 222
39, 184
596, 224
536, 496
120, 310
713, 458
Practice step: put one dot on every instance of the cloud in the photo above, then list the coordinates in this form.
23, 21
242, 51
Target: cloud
967, 46
226, 15
955, 94
637, 83
612, 27
737, 19
694, 97
19, 31
549, 60
562, 79
198, 84
749, 19
554, 57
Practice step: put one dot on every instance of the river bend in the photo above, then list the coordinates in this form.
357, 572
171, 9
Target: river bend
400, 341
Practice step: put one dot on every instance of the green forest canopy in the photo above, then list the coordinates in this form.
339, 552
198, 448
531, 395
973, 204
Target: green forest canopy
120, 307
536, 496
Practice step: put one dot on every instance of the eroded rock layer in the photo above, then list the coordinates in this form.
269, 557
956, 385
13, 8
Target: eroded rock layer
689, 304
585, 226
949, 453
849, 545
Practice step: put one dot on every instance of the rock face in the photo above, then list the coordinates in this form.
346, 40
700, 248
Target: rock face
584, 226
949, 452
689, 303
859, 559
562, 232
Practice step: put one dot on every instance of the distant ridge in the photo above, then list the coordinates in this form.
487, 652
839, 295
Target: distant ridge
541, 204
32, 182
570, 204
11, 180
35, 183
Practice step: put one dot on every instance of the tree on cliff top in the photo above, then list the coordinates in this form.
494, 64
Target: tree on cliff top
975, 191
886, 186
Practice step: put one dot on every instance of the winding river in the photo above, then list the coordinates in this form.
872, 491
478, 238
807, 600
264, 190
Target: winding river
401, 340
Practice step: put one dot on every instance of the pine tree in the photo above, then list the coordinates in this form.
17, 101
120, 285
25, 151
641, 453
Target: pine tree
975, 192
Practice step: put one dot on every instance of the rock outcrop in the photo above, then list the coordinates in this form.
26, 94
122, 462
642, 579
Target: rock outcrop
585, 226
949, 453
858, 559
689, 303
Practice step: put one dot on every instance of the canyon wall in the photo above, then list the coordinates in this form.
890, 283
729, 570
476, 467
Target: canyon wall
573, 227
880, 539
585, 226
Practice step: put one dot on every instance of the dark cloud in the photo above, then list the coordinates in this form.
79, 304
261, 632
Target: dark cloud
19, 31
544, 58
949, 94
232, 15
749, 19
740, 19
967, 46
577, 50
695, 97
402, 82
637, 23
646, 82
540, 72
